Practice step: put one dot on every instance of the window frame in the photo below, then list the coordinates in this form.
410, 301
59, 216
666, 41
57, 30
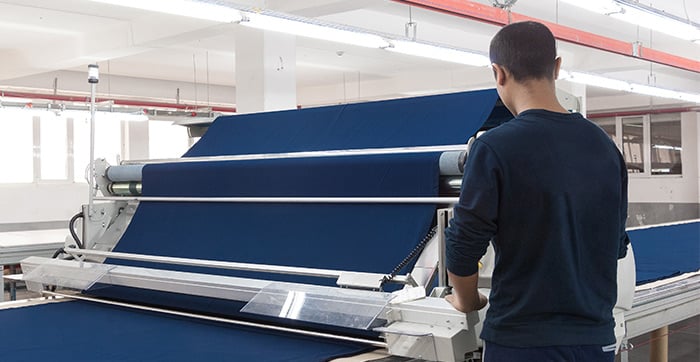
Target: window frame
646, 146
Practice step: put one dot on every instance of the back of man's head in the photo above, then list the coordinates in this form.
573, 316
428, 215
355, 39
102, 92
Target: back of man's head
526, 49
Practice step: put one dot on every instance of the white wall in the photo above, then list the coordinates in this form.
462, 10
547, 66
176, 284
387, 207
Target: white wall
674, 189
46, 201
30, 203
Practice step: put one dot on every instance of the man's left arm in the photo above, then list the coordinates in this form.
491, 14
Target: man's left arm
473, 226
465, 297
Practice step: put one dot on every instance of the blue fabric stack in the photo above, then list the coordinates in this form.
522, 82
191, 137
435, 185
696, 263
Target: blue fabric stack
665, 251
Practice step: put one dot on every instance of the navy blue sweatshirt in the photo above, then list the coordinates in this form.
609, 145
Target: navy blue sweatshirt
550, 190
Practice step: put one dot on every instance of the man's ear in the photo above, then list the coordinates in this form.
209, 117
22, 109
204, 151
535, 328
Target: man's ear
500, 74
557, 66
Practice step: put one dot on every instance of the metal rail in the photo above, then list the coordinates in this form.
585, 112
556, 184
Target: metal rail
305, 154
264, 268
300, 200
204, 263
218, 319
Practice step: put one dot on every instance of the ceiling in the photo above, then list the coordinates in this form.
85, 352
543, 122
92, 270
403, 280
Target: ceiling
149, 55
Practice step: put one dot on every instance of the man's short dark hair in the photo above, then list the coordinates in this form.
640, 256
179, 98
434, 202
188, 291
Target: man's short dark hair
527, 49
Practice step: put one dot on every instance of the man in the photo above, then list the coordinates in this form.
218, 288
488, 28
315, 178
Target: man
549, 188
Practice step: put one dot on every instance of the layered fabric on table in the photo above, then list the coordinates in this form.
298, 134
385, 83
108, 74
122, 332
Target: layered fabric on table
83, 331
661, 252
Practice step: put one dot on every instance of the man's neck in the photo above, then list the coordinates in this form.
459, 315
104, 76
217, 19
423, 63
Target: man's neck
536, 94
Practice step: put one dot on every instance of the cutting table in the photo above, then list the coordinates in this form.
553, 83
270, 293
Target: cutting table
317, 231
17, 245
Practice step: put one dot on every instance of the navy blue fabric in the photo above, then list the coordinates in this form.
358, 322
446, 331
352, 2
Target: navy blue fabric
361, 237
664, 251
420, 121
221, 308
550, 190
82, 331
358, 237
591, 353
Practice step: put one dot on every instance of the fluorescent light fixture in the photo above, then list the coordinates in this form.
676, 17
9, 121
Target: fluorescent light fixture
665, 93
604, 7
120, 116
300, 27
594, 80
438, 52
644, 16
615, 84
188, 8
666, 147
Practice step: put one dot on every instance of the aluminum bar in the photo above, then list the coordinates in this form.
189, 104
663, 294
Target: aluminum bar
299, 200
264, 268
305, 154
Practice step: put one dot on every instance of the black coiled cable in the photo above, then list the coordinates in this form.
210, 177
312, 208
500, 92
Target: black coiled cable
412, 255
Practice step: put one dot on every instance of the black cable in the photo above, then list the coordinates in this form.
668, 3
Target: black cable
57, 253
71, 228
412, 255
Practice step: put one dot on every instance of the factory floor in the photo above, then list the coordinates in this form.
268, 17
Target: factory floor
683, 340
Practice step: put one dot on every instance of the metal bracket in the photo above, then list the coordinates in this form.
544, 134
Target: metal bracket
443, 218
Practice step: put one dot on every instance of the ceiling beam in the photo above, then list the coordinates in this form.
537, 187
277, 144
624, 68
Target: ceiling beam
496, 16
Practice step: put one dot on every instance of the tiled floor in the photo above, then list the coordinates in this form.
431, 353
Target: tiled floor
683, 343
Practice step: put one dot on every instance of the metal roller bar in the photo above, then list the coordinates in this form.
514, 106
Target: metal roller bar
306, 154
217, 319
323, 273
125, 188
299, 200
126, 173
262, 268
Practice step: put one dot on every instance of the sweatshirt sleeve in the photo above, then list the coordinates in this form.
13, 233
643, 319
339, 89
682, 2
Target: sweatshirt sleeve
475, 216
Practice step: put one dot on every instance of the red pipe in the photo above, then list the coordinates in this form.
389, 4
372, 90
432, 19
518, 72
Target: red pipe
643, 112
119, 102
492, 15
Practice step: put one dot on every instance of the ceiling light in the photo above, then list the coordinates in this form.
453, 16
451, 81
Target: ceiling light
666, 147
615, 84
604, 7
438, 52
665, 93
644, 16
303, 28
594, 80
188, 8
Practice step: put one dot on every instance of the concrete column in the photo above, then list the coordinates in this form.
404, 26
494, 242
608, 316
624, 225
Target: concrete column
265, 71
697, 150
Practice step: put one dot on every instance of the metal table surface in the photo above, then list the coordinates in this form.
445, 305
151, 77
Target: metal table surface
17, 245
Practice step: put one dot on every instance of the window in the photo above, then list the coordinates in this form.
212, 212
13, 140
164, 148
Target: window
16, 146
53, 147
633, 143
108, 140
166, 140
651, 144
608, 125
665, 146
